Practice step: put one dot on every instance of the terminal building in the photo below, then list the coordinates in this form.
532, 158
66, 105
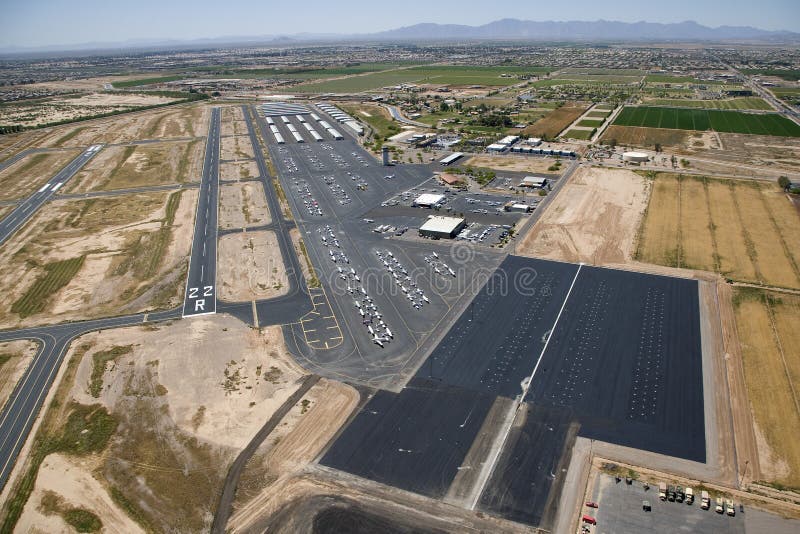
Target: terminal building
442, 227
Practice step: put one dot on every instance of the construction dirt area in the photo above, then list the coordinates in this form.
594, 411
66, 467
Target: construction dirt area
594, 219
79, 259
15, 356
179, 121
744, 230
29, 173
296, 442
251, 267
322, 500
122, 167
243, 205
512, 163
157, 429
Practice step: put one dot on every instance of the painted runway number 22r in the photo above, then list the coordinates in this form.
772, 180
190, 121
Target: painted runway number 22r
200, 298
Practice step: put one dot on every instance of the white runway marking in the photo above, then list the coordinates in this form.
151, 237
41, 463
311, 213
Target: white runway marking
486, 474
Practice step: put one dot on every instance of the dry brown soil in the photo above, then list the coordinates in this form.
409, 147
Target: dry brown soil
238, 170
250, 267
593, 219
179, 121
233, 148
243, 205
134, 257
188, 396
512, 163
122, 167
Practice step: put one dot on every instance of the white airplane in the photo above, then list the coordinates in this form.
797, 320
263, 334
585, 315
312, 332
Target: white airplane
435, 255
437, 270
357, 278
390, 254
377, 340
349, 289
363, 291
425, 298
371, 331
340, 270
452, 272
352, 271
361, 311
357, 303
389, 333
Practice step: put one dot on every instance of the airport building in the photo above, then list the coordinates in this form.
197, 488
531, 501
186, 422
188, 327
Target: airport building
442, 227
452, 158
635, 157
516, 207
428, 200
451, 179
537, 182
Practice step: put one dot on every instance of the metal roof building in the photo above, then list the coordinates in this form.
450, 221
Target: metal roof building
451, 158
426, 200
533, 181
442, 227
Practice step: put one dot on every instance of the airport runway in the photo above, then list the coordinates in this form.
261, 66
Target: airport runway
26, 209
201, 281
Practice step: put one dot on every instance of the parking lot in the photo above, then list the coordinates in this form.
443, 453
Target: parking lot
387, 297
620, 511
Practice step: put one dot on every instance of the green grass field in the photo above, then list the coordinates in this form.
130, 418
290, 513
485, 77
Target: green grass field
665, 78
730, 103
444, 75
612, 72
579, 134
702, 119
590, 122
601, 78
146, 81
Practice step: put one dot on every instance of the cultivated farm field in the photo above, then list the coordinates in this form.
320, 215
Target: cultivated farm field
743, 230
701, 119
767, 326
438, 75
647, 137
554, 122
728, 103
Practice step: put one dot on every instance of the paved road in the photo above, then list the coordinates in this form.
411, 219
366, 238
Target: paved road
28, 207
128, 191
26, 400
225, 507
201, 290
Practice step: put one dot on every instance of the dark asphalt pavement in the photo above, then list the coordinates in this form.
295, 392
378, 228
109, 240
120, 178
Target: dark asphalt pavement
201, 282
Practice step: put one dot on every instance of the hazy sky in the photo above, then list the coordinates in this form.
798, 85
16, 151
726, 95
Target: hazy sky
62, 22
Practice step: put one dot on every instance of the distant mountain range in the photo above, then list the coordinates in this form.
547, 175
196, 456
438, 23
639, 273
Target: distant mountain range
600, 30
505, 29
